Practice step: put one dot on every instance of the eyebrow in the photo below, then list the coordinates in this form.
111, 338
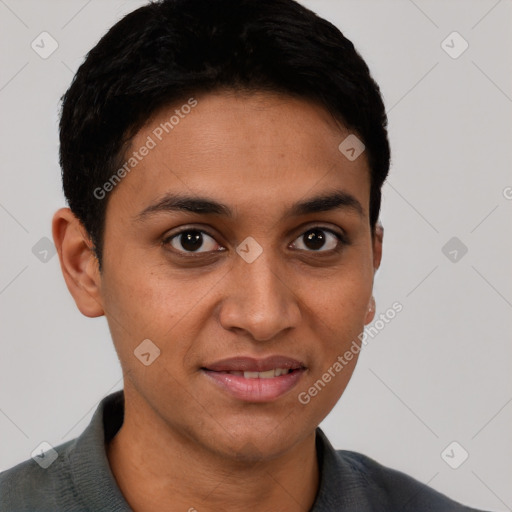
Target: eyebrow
324, 202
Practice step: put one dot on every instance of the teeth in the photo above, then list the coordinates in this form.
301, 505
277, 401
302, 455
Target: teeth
269, 374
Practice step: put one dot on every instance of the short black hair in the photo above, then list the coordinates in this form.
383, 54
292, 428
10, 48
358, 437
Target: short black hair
169, 50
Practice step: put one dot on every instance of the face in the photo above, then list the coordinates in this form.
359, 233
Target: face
219, 248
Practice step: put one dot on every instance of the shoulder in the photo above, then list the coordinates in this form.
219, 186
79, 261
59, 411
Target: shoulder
31, 486
397, 489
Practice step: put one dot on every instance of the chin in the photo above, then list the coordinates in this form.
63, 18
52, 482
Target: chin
250, 442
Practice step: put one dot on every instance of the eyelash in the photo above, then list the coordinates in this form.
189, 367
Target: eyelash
342, 241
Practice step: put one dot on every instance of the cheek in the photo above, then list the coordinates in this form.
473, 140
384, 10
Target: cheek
342, 301
338, 313
151, 304
145, 296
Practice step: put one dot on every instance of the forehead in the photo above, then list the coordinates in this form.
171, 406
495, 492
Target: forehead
248, 149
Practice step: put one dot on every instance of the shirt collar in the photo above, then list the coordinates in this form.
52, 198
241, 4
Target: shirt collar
341, 485
90, 469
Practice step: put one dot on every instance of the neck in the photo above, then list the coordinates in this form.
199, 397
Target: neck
157, 469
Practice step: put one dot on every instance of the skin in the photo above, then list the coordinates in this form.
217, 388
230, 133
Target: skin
185, 443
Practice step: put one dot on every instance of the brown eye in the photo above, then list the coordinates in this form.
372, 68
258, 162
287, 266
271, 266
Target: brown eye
192, 240
318, 240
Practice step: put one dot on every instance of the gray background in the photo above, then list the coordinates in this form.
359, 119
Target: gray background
439, 372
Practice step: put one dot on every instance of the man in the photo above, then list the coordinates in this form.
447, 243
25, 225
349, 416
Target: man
222, 161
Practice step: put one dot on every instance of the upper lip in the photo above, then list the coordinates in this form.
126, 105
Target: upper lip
250, 364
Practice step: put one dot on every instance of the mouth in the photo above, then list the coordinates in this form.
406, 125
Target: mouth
255, 380
268, 374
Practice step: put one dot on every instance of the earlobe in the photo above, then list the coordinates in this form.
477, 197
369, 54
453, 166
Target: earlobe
78, 262
370, 314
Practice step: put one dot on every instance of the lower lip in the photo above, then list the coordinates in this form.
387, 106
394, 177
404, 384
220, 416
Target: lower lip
255, 390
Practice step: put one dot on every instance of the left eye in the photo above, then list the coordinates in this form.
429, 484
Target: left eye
191, 241
318, 240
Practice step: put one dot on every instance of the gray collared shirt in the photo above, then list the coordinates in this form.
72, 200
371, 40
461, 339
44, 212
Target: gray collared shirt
80, 479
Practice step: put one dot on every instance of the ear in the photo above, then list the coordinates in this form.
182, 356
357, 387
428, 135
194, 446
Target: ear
377, 239
78, 262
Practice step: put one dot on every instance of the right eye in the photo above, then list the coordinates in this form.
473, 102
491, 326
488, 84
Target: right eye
191, 241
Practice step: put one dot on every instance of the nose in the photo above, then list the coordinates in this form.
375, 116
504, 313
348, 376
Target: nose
259, 300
